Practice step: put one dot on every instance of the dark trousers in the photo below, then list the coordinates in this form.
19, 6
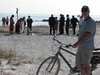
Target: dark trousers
74, 30
30, 27
52, 30
61, 30
67, 30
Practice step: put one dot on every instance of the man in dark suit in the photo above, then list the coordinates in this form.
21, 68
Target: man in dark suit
52, 24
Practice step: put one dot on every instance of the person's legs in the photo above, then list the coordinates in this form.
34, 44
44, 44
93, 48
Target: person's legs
67, 30
78, 62
27, 27
83, 58
74, 31
88, 69
84, 69
53, 30
59, 29
50, 29
86, 58
81, 69
30, 27
62, 30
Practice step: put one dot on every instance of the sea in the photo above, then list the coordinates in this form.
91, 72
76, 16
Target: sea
38, 18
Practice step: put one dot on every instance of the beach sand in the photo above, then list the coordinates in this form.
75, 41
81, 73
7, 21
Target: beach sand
33, 49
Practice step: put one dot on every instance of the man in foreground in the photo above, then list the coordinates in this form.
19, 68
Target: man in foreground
85, 42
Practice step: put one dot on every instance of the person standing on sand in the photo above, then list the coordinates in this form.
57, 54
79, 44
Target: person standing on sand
3, 23
74, 24
56, 25
24, 24
17, 26
67, 24
7, 21
29, 23
85, 42
52, 24
61, 24
11, 29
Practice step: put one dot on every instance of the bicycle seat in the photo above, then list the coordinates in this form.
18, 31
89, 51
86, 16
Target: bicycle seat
96, 52
96, 49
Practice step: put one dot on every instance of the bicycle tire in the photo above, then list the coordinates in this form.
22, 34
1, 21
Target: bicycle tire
95, 60
49, 62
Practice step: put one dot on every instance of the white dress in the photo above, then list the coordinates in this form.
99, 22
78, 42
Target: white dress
22, 27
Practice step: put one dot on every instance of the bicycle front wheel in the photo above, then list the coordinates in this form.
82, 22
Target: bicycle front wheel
49, 66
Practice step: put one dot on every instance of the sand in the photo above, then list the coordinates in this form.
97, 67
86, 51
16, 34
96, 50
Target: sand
33, 49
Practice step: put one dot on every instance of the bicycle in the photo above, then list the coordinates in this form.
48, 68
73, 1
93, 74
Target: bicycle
52, 64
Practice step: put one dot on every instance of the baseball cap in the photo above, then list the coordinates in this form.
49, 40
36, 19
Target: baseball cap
85, 9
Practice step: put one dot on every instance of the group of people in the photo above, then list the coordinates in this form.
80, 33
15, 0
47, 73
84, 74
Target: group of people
85, 43
54, 24
5, 22
19, 26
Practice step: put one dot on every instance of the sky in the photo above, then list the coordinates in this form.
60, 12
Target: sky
72, 7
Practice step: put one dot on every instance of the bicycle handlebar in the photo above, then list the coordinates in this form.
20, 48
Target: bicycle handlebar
69, 45
55, 39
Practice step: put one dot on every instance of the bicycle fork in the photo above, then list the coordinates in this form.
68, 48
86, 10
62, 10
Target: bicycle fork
51, 64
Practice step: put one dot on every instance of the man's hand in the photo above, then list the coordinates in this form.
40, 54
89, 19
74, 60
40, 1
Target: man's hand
75, 45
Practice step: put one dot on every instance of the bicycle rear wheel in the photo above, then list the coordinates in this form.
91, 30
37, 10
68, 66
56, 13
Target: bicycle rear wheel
49, 66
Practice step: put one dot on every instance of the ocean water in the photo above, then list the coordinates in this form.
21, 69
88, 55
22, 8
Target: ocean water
37, 18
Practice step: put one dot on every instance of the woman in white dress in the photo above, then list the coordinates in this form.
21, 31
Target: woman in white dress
22, 26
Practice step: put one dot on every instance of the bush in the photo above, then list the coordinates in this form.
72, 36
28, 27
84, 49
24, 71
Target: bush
7, 54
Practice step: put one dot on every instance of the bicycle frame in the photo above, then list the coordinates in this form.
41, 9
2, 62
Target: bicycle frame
66, 61
55, 58
61, 55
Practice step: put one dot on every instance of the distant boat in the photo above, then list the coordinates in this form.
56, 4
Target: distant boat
45, 20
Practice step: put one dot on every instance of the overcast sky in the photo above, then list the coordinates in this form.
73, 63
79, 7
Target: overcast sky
49, 6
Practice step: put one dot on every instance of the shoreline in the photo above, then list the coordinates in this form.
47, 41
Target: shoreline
42, 29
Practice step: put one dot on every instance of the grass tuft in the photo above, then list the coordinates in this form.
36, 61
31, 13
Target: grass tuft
7, 54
